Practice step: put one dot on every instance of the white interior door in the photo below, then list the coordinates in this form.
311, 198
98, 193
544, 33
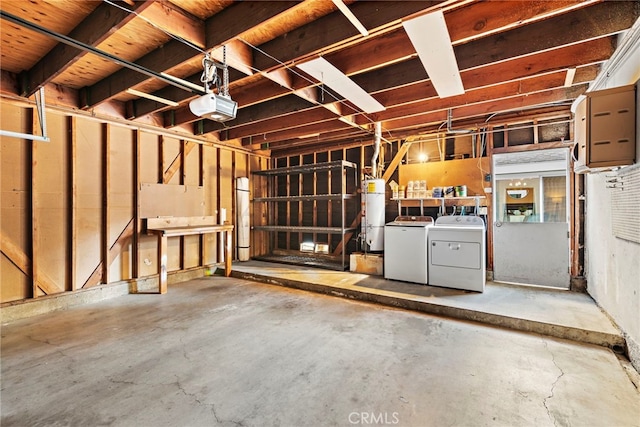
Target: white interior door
531, 222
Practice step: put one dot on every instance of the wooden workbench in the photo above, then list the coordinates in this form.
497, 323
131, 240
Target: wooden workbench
186, 226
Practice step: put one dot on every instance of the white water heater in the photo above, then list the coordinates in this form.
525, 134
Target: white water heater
373, 214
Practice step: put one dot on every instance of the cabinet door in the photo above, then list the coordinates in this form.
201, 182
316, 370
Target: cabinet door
612, 139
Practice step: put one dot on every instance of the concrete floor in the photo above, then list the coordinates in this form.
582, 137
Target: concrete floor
227, 352
558, 313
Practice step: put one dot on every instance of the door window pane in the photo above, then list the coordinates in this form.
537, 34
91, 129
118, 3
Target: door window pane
555, 198
518, 200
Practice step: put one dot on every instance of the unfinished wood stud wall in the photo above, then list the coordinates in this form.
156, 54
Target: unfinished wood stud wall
71, 213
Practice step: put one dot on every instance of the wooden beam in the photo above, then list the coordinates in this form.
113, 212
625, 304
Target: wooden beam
600, 20
243, 15
177, 162
114, 251
106, 187
123, 239
95, 278
397, 159
72, 124
93, 30
571, 56
296, 132
518, 87
490, 107
266, 110
311, 116
35, 224
238, 56
240, 17
176, 21
397, 46
137, 222
24, 264
401, 101
331, 30
464, 23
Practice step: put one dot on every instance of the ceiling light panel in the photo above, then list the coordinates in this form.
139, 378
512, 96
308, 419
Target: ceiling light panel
351, 17
152, 97
430, 37
323, 71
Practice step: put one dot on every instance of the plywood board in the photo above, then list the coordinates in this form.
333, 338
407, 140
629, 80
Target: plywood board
15, 187
50, 191
192, 164
148, 255
88, 198
469, 172
191, 251
149, 147
173, 253
226, 182
170, 151
158, 200
227, 186
210, 166
121, 207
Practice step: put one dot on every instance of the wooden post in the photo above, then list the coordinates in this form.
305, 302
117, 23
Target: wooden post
73, 243
135, 244
34, 214
228, 256
162, 263
106, 218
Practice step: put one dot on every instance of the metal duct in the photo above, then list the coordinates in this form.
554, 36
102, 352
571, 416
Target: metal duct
377, 137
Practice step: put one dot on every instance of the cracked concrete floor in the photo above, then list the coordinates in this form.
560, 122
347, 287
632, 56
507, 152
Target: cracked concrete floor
227, 352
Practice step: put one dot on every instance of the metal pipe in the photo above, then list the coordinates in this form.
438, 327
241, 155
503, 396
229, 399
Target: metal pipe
28, 136
88, 48
376, 149
42, 118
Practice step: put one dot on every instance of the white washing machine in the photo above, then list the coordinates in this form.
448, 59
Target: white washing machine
406, 247
457, 248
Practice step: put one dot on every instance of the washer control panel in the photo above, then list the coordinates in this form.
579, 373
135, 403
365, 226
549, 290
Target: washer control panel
461, 220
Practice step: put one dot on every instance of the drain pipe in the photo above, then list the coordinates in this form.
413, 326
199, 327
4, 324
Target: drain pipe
376, 149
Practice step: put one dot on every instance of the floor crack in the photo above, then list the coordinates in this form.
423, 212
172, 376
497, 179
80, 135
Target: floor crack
184, 350
553, 385
55, 346
198, 401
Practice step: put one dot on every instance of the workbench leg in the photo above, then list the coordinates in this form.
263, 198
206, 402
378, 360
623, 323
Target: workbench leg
162, 263
228, 254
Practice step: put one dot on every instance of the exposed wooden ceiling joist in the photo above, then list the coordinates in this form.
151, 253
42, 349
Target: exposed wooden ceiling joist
513, 56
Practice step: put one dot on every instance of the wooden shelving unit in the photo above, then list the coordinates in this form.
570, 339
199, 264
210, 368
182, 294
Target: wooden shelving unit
440, 201
279, 209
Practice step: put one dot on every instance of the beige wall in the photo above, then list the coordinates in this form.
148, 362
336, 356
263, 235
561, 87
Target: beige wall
69, 206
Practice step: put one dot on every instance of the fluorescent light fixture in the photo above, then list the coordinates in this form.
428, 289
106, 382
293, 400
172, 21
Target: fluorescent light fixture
571, 74
310, 135
351, 17
323, 71
430, 37
152, 97
184, 82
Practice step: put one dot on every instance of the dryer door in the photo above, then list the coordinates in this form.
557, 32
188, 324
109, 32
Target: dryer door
449, 253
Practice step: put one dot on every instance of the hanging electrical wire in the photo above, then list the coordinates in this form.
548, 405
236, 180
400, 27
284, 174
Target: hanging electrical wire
210, 78
322, 89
